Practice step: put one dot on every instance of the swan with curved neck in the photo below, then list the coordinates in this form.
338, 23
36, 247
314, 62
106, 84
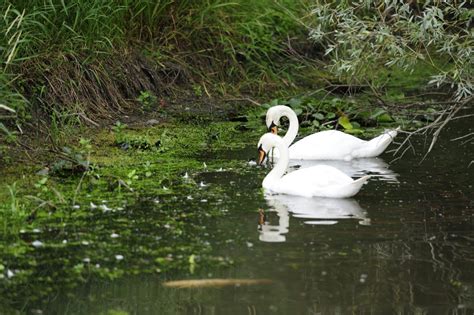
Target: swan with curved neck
325, 145
315, 181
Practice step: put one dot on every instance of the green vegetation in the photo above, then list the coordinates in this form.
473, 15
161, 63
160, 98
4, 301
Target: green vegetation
95, 56
90, 61
101, 203
126, 211
363, 36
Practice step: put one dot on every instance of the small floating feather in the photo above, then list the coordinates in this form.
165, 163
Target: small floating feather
214, 283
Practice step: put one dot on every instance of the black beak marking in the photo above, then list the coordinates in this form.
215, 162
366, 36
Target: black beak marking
272, 125
261, 155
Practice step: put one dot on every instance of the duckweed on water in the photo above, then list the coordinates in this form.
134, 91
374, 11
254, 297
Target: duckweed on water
133, 211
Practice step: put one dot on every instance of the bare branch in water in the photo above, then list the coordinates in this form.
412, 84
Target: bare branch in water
444, 117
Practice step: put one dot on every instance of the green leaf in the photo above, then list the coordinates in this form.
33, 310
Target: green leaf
385, 118
298, 111
377, 113
316, 123
318, 116
354, 131
344, 122
330, 115
294, 102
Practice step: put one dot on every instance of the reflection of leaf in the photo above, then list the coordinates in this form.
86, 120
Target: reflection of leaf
344, 122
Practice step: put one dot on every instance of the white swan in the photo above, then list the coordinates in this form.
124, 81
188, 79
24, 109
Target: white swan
326, 145
315, 181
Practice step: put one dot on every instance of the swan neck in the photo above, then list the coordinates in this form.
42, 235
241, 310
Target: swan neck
280, 168
293, 129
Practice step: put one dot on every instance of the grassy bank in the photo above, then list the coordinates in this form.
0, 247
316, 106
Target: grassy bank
95, 57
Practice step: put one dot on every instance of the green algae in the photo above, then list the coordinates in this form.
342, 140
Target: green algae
133, 211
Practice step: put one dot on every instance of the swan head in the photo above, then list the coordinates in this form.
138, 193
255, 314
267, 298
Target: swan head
273, 117
265, 144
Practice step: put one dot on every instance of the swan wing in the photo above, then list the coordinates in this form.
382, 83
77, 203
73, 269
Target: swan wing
326, 145
319, 175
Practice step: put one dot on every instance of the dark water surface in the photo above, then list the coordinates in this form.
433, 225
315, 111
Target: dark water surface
403, 245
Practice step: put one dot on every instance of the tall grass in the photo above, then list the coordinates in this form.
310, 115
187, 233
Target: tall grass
223, 31
236, 43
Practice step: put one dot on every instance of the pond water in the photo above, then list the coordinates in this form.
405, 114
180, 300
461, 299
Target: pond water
404, 244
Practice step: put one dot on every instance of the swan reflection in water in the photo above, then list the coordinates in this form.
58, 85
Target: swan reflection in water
376, 167
315, 211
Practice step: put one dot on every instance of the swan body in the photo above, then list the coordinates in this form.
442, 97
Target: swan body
315, 181
376, 167
326, 145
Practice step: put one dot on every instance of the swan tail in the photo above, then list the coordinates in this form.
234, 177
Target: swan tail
346, 191
356, 185
377, 145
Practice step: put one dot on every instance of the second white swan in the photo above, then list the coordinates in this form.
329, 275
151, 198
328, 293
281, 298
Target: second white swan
325, 145
315, 181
